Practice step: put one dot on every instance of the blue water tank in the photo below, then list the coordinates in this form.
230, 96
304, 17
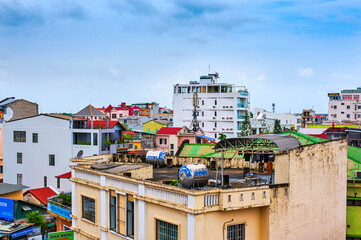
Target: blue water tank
193, 175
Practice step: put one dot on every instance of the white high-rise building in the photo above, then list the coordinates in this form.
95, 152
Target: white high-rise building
345, 106
221, 106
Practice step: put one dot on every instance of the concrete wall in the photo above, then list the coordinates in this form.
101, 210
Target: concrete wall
315, 202
54, 137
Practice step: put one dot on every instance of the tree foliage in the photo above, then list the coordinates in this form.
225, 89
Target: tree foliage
222, 136
277, 129
246, 128
36, 218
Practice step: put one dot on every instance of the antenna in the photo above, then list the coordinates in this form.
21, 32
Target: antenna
273, 107
195, 124
209, 67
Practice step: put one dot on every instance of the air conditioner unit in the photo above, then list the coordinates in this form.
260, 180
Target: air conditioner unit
358, 174
231, 106
214, 106
214, 117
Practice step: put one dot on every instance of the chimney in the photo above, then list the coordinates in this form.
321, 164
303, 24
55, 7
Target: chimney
123, 104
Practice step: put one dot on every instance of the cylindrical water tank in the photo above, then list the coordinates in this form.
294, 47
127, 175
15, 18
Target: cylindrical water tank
155, 158
193, 175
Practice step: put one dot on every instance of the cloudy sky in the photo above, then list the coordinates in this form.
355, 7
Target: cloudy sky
66, 54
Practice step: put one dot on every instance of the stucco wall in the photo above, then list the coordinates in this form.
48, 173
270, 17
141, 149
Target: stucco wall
315, 205
18, 195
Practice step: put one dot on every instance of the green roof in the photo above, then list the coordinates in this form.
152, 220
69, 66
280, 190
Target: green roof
196, 150
233, 154
328, 126
354, 153
304, 139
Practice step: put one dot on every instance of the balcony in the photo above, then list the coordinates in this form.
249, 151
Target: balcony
241, 105
240, 117
60, 205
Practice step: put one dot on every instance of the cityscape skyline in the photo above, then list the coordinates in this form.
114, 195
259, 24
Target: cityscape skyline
75, 53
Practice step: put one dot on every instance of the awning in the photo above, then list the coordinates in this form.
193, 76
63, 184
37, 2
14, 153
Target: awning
209, 138
22, 232
64, 175
129, 133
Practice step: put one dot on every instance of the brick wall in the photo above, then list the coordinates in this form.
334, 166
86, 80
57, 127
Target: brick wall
22, 108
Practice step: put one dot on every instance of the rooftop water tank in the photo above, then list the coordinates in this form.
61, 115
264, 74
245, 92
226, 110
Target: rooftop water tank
193, 175
157, 158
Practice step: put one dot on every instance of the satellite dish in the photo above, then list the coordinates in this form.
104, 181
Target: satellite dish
80, 153
9, 114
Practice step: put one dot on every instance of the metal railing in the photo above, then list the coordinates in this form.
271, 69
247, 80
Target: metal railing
55, 200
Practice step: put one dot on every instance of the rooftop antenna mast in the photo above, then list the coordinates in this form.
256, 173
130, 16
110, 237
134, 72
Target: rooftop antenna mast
195, 124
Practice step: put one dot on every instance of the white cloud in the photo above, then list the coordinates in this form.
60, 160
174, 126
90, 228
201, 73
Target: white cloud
305, 72
115, 72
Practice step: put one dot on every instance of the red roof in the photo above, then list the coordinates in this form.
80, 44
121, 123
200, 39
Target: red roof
64, 175
320, 116
169, 130
102, 124
42, 193
129, 132
322, 135
120, 108
337, 130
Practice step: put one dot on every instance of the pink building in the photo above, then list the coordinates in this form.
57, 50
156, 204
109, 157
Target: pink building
115, 112
168, 139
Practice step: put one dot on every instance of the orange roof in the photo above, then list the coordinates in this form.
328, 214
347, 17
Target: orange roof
42, 193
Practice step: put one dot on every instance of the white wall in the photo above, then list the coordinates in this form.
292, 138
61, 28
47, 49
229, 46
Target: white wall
54, 137
183, 109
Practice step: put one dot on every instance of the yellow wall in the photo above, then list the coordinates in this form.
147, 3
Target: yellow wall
137, 145
18, 195
153, 126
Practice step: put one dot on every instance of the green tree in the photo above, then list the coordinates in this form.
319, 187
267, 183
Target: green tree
277, 127
246, 128
36, 218
222, 137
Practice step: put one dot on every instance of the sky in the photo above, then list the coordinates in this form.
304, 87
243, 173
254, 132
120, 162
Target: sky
66, 54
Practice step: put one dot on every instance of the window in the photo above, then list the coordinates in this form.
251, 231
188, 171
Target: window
19, 136
121, 213
114, 115
35, 138
341, 104
202, 124
113, 211
202, 114
166, 230
348, 116
19, 179
236, 232
342, 112
88, 208
215, 114
45, 181
241, 197
1, 169
51, 160
19, 158
335, 107
347, 97
215, 102
95, 139
202, 102
215, 124
359, 107
172, 146
58, 182
162, 141
348, 106
335, 115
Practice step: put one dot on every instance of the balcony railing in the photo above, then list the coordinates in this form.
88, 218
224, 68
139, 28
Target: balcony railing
241, 105
240, 117
57, 204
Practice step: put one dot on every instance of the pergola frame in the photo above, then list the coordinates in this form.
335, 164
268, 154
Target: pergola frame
248, 145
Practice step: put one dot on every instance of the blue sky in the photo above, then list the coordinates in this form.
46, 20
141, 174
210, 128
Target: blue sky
67, 54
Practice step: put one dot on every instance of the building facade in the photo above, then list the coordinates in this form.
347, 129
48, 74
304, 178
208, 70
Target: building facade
345, 106
38, 148
114, 201
221, 107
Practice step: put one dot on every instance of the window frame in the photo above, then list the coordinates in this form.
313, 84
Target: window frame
18, 137
169, 223
19, 176
52, 160
241, 227
35, 138
121, 217
83, 213
19, 160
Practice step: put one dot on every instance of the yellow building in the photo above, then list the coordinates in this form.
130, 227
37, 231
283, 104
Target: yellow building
305, 199
153, 126
12, 191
